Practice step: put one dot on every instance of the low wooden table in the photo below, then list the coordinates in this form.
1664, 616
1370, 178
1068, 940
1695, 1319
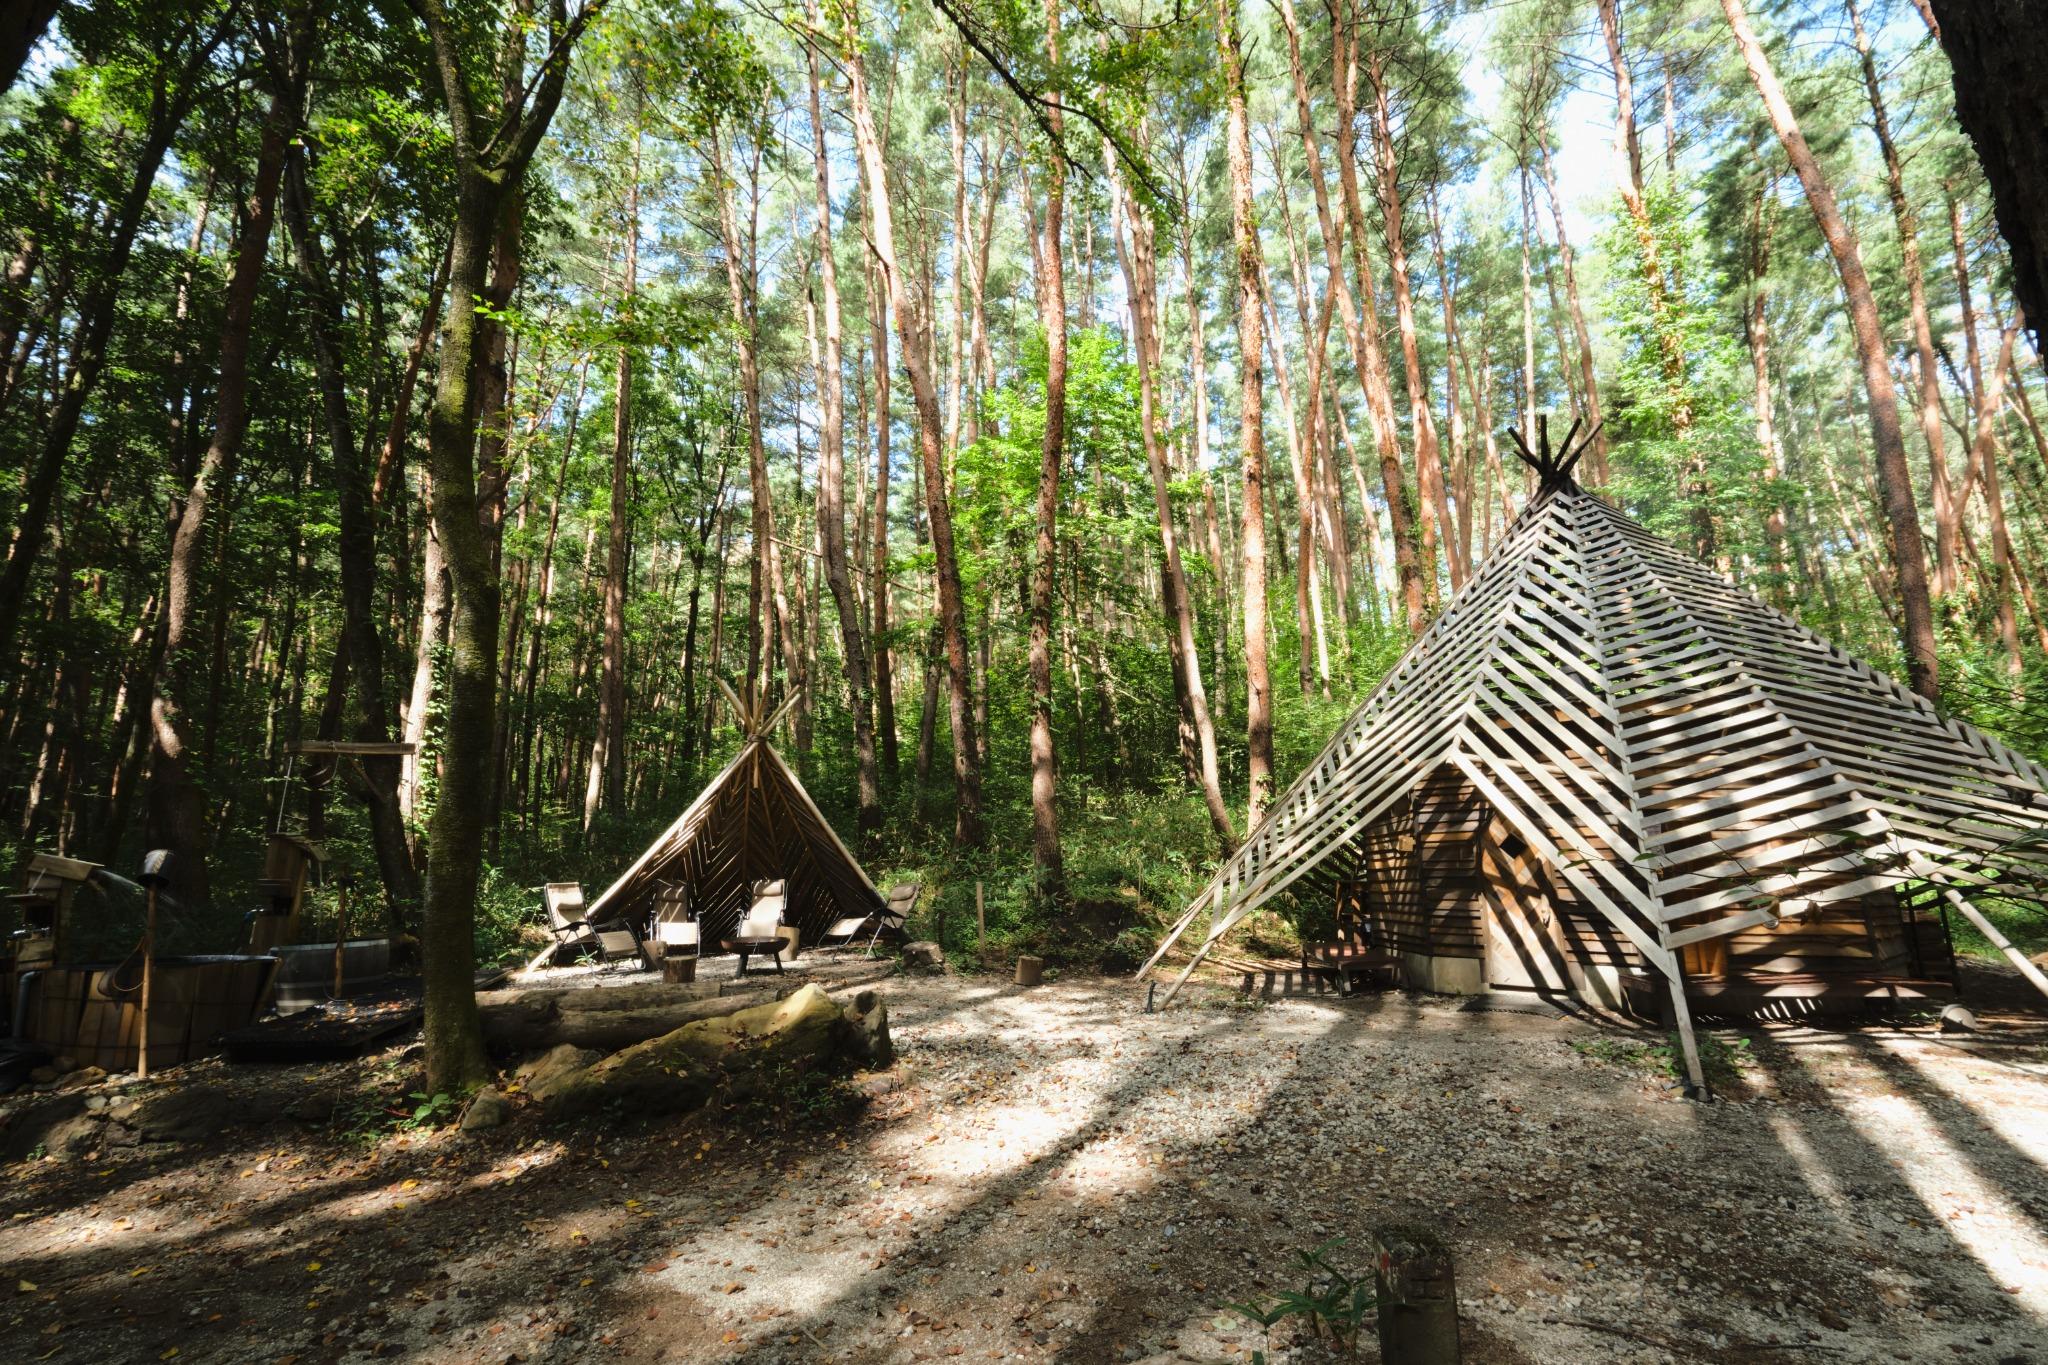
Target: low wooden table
749, 947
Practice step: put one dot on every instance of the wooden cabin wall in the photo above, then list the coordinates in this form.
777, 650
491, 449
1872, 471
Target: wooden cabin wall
1388, 891
1449, 818
1852, 938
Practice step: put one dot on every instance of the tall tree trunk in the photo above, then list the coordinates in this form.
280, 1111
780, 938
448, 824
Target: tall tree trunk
1984, 471
832, 459
878, 559
356, 549
22, 25
1597, 472
1454, 416
765, 614
491, 148
1757, 320
1429, 468
1047, 864
1657, 283
177, 805
1416, 576
1997, 50
1138, 253
607, 783
1251, 415
967, 822
1894, 478
1940, 493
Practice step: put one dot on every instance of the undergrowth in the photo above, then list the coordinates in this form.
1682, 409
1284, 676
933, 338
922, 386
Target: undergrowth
1725, 1058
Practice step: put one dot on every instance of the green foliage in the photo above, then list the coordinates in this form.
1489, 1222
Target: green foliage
1725, 1057
1687, 460
1329, 1301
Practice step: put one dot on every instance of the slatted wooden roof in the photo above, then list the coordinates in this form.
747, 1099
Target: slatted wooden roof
1691, 761
753, 822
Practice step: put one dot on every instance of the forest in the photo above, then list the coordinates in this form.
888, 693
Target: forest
1070, 413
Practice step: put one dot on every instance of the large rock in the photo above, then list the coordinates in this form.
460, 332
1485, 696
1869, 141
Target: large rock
54, 1124
544, 1076
196, 1112
487, 1109
679, 1071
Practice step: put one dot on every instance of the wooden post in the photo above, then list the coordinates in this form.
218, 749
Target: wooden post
340, 931
1681, 1014
980, 924
148, 970
1418, 1298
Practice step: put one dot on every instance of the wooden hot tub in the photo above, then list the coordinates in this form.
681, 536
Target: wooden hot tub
92, 1012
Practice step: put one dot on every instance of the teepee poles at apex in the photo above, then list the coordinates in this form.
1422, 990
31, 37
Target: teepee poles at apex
749, 718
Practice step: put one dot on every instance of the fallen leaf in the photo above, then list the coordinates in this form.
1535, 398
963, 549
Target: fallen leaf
312, 1267
26, 1286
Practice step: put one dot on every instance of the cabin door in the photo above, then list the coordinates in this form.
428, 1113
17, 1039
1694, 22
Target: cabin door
1524, 942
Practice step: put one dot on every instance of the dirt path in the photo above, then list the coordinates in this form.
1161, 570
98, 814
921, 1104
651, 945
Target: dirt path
1056, 1175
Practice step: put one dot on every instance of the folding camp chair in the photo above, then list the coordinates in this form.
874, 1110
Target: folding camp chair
760, 929
564, 902
611, 943
673, 930
888, 920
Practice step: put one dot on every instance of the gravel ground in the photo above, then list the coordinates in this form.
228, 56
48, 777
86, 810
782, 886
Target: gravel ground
1055, 1175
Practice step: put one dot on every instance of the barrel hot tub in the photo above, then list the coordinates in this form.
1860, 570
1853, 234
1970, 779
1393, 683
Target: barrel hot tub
92, 1012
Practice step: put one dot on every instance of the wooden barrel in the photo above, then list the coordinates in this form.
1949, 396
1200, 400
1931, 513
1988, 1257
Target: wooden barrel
56, 1000
93, 1014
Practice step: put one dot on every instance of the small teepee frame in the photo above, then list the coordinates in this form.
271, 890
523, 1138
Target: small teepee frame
1689, 761
753, 821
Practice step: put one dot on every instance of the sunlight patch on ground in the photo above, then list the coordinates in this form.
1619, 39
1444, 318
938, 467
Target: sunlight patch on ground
1973, 1210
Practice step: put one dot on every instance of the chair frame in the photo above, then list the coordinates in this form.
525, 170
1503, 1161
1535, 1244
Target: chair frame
581, 933
672, 907
894, 914
759, 891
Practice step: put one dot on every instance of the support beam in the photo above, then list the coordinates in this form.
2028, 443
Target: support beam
1998, 940
1689, 1045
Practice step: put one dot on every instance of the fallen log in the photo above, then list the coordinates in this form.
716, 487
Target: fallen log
537, 1021
639, 996
751, 1053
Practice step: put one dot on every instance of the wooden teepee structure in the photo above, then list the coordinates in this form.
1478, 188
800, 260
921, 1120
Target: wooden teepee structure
1616, 763
753, 822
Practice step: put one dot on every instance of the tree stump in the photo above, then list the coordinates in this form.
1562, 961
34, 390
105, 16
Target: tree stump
1030, 970
1418, 1296
679, 971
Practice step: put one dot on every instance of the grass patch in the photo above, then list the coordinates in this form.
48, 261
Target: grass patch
2024, 922
1725, 1059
